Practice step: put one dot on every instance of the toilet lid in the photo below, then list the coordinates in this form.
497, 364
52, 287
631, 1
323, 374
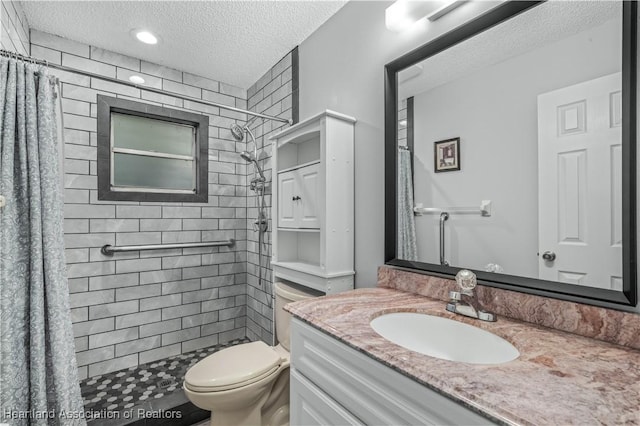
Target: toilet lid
232, 367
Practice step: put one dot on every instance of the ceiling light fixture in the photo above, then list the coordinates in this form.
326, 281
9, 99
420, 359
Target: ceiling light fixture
146, 37
447, 7
136, 79
404, 13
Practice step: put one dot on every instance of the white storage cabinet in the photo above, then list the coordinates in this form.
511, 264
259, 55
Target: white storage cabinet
313, 242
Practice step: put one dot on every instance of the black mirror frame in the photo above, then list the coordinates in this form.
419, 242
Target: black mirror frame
593, 296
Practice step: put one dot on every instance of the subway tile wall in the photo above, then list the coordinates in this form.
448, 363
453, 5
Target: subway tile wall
137, 307
14, 29
275, 93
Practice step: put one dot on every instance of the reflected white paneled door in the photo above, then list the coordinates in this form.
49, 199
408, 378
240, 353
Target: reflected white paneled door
580, 183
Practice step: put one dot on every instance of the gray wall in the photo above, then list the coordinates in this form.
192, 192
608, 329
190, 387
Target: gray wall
495, 115
14, 29
137, 307
342, 68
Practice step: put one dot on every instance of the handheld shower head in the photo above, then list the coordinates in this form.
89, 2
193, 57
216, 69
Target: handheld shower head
250, 158
238, 134
247, 156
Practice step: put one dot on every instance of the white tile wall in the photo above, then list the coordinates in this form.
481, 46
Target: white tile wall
271, 94
14, 29
138, 307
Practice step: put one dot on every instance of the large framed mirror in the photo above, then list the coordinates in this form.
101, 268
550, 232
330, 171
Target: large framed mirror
510, 151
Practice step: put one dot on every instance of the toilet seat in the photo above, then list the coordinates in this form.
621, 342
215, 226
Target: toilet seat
233, 368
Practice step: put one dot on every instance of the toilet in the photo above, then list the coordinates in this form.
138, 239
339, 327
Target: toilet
248, 384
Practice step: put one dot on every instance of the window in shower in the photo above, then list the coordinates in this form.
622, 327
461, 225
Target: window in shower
151, 153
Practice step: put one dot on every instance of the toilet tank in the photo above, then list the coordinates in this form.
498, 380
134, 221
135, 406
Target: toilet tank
287, 293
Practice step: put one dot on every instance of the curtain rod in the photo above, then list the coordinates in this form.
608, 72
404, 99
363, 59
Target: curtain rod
138, 86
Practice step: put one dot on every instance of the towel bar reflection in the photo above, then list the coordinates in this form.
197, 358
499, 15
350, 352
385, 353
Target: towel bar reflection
484, 209
108, 249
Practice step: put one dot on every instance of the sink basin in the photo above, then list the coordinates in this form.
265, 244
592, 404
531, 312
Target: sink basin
444, 338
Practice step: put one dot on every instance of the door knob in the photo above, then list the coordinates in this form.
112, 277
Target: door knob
296, 198
549, 256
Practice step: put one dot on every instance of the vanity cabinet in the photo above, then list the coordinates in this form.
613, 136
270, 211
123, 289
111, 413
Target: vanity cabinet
314, 407
314, 205
298, 198
332, 383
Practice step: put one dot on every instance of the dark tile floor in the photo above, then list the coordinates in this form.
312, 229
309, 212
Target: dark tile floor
139, 395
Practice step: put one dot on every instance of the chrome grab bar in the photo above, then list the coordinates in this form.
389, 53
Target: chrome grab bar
444, 216
108, 249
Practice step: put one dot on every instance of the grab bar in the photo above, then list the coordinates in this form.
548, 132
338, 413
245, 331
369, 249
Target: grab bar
108, 249
484, 209
444, 216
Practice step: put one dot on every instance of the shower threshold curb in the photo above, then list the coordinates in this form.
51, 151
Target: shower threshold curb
174, 409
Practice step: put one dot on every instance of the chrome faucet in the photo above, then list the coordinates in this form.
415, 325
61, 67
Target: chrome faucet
465, 302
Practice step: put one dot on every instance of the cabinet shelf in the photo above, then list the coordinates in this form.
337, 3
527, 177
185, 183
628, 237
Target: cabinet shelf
314, 276
311, 230
299, 166
305, 267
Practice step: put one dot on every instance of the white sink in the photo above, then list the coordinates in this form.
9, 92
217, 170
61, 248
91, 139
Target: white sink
444, 338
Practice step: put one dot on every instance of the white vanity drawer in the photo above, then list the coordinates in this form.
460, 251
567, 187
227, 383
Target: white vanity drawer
371, 391
312, 407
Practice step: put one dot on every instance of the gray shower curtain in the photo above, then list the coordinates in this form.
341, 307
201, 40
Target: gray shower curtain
38, 373
407, 248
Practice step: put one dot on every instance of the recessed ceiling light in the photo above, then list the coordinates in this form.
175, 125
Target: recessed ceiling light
146, 37
136, 79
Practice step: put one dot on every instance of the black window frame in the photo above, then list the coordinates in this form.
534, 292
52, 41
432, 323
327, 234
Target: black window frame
108, 105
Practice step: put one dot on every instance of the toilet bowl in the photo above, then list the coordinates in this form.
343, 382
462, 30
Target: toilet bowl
248, 384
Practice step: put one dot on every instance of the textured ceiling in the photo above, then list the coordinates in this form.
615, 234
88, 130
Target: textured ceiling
544, 24
230, 41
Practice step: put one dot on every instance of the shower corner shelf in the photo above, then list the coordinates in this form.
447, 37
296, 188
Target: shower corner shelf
313, 209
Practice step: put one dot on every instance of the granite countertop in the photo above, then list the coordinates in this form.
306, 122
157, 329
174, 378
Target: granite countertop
559, 378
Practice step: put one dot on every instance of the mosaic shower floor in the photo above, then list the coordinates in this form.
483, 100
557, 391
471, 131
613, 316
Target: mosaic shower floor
149, 394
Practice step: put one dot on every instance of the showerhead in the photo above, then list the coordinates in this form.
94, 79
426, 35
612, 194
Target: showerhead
237, 132
247, 156
250, 158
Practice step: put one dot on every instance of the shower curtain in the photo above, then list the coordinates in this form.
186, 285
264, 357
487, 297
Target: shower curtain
407, 248
38, 373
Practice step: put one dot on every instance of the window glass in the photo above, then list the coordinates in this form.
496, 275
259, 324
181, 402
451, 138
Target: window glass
153, 172
147, 134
